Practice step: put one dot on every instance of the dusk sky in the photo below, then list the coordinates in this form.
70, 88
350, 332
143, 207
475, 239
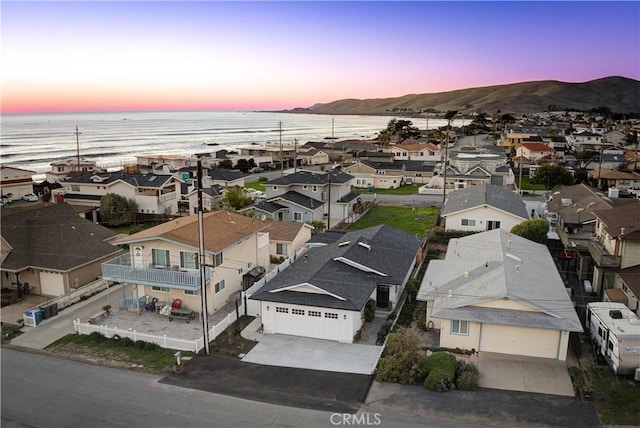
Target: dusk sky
96, 56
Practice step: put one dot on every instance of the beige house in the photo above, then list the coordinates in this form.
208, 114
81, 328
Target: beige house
50, 250
514, 139
614, 249
286, 238
68, 167
379, 175
498, 292
412, 150
15, 182
163, 262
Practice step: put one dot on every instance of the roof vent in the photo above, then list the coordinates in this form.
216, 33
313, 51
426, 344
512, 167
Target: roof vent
615, 314
466, 274
517, 268
365, 245
622, 231
342, 244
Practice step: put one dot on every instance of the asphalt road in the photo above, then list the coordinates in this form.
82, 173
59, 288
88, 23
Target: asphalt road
43, 391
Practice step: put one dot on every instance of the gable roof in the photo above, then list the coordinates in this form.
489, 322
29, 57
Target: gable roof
298, 199
269, 207
53, 237
309, 177
622, 222
285, 230
497, 265
537, 147
221, 229
135, 180
485, 194
350, 268
222, 174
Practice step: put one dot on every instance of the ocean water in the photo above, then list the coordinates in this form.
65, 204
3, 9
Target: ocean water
33, 141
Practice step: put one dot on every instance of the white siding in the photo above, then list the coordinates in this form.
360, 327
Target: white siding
481, 215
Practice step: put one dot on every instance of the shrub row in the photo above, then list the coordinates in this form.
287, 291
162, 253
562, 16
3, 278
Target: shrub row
444, 373
98, 337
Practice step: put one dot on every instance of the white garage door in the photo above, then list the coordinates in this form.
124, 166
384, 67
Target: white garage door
51, 284
533, 342
304, 322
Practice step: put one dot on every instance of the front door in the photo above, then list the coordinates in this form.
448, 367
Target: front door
382, 300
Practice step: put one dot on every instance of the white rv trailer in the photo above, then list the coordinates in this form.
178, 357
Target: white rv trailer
615, 334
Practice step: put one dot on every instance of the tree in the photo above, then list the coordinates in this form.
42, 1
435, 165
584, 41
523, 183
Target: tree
318, 226
401, 129
116, 210
534, 230
552, 175
234, 199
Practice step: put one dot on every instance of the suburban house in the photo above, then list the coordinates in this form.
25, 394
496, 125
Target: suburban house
286, 238
163, 164
323, 294
417, 172
586, 140
379, 175
311, 156
305, 196
415, 151
15, 182
614, 248
514, 139
483, 207
283, 155
154, 194
612, 178
574, 207
535, 151
501, 293
188, 203
163, 261
70, 167
50, 250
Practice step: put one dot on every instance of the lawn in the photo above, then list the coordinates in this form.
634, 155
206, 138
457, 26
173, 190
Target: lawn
417, 221
409, 189
258, 185
97, 348
616, 398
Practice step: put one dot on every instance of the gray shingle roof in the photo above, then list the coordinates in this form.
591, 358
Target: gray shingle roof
298, 199
222, 174
135, 180
53, 237
308, 177
497, 265
269, 207
390, 251
485, 194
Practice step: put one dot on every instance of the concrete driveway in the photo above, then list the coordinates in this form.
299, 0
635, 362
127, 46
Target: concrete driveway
528, 374
315, 354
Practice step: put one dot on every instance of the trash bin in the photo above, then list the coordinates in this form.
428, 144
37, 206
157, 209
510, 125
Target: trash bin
54, 309
46, 312
36, 314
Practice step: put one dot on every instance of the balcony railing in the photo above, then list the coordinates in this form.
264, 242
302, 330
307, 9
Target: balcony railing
601, 256
121, 270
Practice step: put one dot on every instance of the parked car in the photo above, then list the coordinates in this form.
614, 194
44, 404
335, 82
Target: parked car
31, 197
256, 170
4, 200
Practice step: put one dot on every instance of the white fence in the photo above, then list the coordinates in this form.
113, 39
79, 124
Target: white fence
163, 341
66, 300
253, 306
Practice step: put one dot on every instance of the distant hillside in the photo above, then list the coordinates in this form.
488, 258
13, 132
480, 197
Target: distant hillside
620, 94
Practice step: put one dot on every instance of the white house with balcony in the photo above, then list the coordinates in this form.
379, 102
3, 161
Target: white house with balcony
306, 196
163, 262
69, 167
154, 194
415, 151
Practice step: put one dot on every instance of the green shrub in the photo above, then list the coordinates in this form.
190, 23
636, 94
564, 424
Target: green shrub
441, 371
384, 330
126, 341
140, 344
150, 346
468, 380
96, 336
402, 361
370, 310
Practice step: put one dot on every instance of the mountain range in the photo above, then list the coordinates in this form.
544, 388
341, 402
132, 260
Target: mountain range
619, 94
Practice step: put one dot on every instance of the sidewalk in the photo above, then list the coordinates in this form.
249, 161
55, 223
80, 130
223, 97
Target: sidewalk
54, 328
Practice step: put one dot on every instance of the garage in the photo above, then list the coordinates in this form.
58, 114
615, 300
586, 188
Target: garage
533, 342
51, 284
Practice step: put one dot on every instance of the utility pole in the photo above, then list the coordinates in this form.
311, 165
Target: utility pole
600, 162
329, 202
78, 147
295, 155
520, 173
281, 153
202, 264
333, 142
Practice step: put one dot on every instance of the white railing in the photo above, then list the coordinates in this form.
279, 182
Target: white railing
163, 341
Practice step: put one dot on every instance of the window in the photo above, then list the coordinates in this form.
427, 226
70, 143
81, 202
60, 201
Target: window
331, 315
468, 222
160, 258
217, 259
314, 313
219, 286
281, 249
297, 216
282, 310
154, 288
492, 224
188, 260
297, 311
191, 292
460, 327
